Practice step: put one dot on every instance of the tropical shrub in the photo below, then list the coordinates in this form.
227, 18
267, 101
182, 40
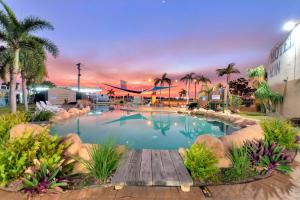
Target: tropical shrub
241, 165
46, 177
269, 156
8, 121
202, 162
42, 116
18, 154
192, 105
280, 132
104, 160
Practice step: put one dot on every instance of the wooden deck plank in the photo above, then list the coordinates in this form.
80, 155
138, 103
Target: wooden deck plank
182, 173
119, 176
146, 170
157, 168
132, 175
170, 174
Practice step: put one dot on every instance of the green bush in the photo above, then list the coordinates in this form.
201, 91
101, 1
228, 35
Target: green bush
202, 163
280, 132
43, 116
104, 160
193, 105
8, 121
18, 154
241, 165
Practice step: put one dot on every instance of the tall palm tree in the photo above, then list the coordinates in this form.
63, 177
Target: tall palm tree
17, 34
161, 81
188, 79
230, 69
200, 79
33, 69
182, 93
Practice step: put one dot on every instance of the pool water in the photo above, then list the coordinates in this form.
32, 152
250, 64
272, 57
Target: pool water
144, 130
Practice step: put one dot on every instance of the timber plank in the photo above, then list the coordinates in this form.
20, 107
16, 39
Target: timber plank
146, 170
182, 173
132, 175
119, 176
157, 168
170, 174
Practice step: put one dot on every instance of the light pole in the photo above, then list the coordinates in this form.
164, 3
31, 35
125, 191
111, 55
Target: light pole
78, 76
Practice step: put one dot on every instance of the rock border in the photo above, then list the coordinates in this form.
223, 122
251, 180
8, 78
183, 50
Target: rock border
72, 112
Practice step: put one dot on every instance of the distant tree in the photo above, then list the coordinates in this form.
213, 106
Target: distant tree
48, 84
188, 78
241, 88
161, 81
110, 92
200, 79
182, 93
230, 69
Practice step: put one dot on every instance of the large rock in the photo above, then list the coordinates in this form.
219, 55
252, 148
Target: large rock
20, 129
73, 111
63, 114
75, 144
224, 162
212, 143
238, 138
83, 152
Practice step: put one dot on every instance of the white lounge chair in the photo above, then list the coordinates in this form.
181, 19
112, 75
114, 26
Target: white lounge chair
39, 107
49, 108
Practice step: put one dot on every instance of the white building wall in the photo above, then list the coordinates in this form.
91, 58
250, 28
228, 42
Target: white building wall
284, 73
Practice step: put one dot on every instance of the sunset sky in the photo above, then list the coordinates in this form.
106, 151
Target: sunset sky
135, 40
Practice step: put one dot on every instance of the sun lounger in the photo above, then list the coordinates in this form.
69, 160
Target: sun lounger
49, 108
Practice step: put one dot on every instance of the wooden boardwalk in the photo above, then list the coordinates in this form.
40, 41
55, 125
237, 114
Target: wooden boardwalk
152, 168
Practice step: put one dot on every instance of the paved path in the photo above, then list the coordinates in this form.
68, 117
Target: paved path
277, 187
152, 168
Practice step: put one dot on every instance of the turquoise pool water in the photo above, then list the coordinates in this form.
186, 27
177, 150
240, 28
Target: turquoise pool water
143, 130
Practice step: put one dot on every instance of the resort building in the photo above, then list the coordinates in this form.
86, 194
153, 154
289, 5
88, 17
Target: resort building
284, 73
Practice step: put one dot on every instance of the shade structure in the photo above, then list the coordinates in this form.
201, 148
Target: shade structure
153, 89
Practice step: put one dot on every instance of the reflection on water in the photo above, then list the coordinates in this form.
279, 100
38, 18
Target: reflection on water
142, 130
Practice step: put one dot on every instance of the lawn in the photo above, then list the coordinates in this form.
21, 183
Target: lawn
256, 115
6, 109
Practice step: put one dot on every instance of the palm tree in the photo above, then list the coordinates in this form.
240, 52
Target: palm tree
17, 34
200, 79
33, 69
230, 69
188, 79
111, 92
161, 81
263, 91
182, 93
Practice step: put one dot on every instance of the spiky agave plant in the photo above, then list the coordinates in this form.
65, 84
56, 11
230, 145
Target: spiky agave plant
269, 156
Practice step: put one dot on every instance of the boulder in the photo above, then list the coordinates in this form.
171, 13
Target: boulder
121, 149
212, 143
79, 168
83, 152
238, 138
75, 144
81, 112
63, 114
202, 111
224, 162
210, 113
73, 111
234, 118
182, 152
20, 129
224, 117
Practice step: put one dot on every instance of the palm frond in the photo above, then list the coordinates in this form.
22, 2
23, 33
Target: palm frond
47, 44
10, 14
30, 24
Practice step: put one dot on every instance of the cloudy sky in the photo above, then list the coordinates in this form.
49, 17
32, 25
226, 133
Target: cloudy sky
139, 39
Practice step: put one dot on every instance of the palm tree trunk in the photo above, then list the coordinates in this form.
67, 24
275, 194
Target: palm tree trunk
13, 82
188, 92
195, 91
169, 94
24, 91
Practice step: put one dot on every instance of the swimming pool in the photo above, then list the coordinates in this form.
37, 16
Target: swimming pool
144, 130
